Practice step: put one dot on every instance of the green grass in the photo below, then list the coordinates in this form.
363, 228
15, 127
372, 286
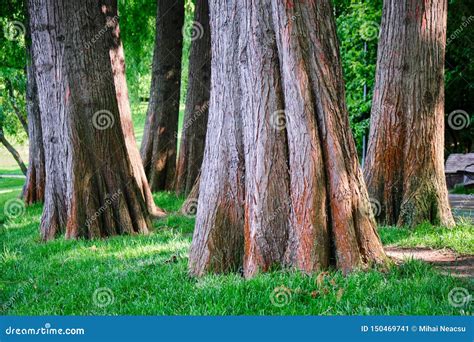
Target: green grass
148, 275
459, 189
459, 239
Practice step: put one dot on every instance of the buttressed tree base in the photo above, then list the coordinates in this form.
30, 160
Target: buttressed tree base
280, 181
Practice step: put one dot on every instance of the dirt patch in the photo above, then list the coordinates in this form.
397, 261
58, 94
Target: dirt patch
446, 260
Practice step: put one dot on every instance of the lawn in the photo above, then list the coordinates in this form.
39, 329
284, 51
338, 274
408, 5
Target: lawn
147, 275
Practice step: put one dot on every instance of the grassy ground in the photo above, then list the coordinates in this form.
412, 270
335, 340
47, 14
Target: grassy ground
148, 275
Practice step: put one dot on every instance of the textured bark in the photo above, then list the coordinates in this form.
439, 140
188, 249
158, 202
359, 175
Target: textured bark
158, 148
218, 241
304, 199
405, 163
12, 151
193, 135
117, 58
90, 188
33, 190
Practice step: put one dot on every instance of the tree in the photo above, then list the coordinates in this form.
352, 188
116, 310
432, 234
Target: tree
193, 135
280, 181
117, 58
33, 190
90, 187
12, 150
405, 164
158, 149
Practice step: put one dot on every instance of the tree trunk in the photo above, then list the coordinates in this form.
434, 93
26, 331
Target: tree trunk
193, 135
33, 190
158, 148
90, 187
117, 58
12, 151
405, 163
280, 180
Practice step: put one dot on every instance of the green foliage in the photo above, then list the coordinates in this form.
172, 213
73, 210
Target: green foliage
358, 25
12, 68
137, 25
459, 75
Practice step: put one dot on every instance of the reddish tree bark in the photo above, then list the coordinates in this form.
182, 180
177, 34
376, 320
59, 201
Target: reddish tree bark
158, 149
117, 58
280, 180
405, 161
90, 187
193, 135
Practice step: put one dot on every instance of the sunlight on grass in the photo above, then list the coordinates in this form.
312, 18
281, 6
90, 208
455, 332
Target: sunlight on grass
148, 275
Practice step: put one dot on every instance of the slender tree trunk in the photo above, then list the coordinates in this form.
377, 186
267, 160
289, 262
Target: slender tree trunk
158, 148
405, 163
19, 114
280, 180
117, 58
34, 188
12, 151
90, 187
193, 135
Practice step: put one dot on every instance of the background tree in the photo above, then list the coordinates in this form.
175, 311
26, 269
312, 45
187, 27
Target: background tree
193, 134
33, 190
159, 144
275, 193
117, 59
90, 187
405, 164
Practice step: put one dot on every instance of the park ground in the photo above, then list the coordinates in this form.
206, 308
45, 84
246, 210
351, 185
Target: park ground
431, 272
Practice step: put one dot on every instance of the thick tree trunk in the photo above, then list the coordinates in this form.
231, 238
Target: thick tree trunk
90, 187
12, 151
405, 164
117, 58
280, 181
158, 148
193, 136
34, 188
